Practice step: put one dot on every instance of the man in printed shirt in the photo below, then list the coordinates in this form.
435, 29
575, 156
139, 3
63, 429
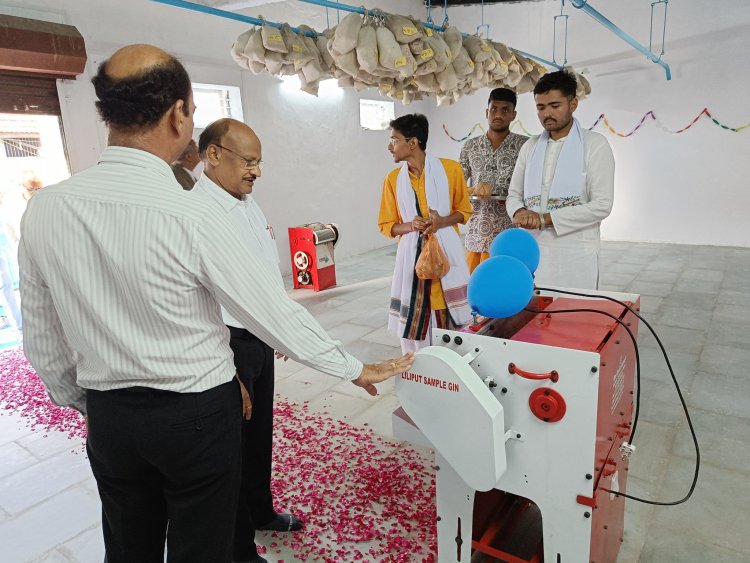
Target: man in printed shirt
122, 275
231, 152
488, 163
424, 196
563, 187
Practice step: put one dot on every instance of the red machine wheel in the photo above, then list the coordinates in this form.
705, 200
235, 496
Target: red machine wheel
547, 404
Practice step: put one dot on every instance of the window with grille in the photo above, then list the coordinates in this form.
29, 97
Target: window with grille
19, 147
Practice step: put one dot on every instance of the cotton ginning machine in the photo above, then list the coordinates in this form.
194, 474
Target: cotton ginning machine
311, 248
529, 417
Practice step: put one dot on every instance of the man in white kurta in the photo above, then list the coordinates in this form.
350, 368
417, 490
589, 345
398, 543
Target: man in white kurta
562, 193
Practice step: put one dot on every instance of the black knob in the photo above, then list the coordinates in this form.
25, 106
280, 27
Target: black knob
446, 338
458, 340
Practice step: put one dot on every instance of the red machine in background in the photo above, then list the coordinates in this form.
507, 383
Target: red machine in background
311, 248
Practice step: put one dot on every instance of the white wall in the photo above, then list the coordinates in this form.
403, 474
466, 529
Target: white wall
319, 164
689, 188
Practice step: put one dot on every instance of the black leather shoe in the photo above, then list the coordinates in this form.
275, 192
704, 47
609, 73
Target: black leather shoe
282, 523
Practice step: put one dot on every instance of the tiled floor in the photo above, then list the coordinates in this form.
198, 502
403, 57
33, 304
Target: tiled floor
695, 297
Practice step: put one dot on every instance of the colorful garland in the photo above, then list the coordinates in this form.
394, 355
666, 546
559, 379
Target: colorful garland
602, 118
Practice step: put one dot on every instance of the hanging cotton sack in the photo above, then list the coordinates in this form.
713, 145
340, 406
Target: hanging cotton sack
444, 100
346, 81
367, 48
584, 87
479, 50
385, 85
326, 60
238, 48
389, 51
453, 38
408, 69
313, 72
346, 33
462, 64
254, 49
442, 53
255, 67
296, 47
347, 62
404, 30
427, 83
272, 39
274, 61
430, 67
525, 63
447, 80
308, 87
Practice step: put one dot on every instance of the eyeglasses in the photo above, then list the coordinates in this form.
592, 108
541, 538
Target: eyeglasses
394, 140
247, 164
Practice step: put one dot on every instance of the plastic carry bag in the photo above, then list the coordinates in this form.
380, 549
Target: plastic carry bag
432, 263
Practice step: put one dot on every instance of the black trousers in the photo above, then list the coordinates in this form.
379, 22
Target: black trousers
167, 466
254, 361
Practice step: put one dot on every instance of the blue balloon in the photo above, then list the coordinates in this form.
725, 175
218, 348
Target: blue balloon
518, 243
500, 287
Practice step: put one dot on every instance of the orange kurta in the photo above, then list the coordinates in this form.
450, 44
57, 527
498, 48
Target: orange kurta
389, 213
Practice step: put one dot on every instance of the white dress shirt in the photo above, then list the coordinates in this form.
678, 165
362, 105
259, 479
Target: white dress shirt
122, 274
252, 227
569, 250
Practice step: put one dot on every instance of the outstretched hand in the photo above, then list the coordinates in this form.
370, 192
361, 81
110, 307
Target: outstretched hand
375, 373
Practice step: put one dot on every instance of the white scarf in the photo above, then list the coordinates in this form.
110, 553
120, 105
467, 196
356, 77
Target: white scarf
567, 182
455, 281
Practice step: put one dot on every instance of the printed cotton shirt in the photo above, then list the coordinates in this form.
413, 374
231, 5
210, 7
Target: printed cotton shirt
482, 163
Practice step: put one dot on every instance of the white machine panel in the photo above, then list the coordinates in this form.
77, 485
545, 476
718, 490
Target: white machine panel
457, 413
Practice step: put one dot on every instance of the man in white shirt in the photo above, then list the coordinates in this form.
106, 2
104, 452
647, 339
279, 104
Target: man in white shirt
231, 152
563, 187
185, 165
122, 278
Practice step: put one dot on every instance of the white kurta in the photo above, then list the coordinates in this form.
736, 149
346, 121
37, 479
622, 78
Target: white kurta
569, 252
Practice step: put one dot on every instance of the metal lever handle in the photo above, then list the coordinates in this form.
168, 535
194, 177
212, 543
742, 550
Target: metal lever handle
552, 376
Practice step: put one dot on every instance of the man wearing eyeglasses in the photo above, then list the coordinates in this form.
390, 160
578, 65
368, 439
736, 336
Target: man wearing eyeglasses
424, 196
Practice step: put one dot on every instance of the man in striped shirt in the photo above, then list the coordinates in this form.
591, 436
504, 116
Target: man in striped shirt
122, 275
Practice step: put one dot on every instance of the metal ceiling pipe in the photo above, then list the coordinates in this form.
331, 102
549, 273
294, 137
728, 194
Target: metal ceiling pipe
598, 16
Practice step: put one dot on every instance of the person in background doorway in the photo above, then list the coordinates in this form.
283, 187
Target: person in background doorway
185, 165
488, 162
425, 195
562, 188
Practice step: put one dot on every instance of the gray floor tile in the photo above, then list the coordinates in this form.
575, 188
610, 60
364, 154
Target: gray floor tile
664, 545
723, 440
674, 338
727, 360
654, 442
729, 334
14, 458
716, 497
721, 394
684, 317
657, 276
702, 301
651, 288
698, 286
693, 274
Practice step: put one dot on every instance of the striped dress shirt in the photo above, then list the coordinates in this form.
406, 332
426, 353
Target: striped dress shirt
122, 277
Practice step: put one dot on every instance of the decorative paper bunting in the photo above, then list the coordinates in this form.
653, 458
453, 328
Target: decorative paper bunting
603, 119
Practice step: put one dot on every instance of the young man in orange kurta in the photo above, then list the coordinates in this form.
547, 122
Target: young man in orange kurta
429, 305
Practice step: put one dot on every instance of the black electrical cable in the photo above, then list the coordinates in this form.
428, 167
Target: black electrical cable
671, 373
